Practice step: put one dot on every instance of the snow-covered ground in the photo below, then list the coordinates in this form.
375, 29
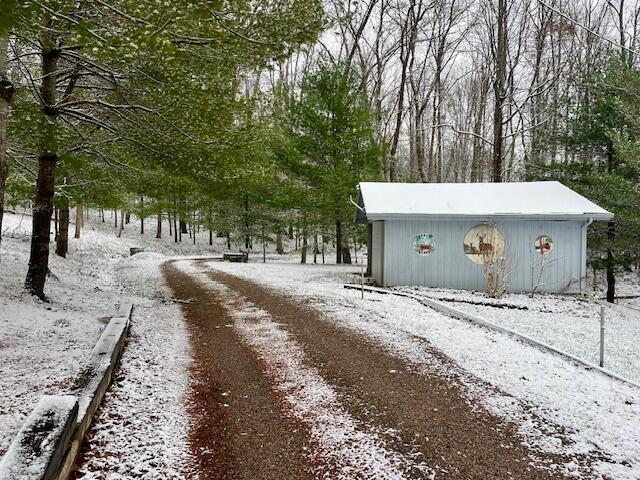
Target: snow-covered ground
627, 289
131, 236
43, 344
568, 323
560, 407
141, 428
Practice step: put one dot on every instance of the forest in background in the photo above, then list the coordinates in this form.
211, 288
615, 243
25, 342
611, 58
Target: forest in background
256, 119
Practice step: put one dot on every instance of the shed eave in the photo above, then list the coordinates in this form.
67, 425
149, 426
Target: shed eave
600, 216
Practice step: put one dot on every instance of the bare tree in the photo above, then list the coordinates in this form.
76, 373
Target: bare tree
6, 94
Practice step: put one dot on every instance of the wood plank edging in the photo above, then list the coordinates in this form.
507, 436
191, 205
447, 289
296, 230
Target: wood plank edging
47, 445
39, 449
94, 381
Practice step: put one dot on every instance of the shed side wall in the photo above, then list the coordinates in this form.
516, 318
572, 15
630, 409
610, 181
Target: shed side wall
377, 251
449, 267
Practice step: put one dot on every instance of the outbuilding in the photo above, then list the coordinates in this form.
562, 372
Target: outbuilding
445, 234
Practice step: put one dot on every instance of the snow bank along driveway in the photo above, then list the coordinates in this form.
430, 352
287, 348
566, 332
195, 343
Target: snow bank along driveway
569, 323
560, 408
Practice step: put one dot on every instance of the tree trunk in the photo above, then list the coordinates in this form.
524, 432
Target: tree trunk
338, 242
611, 237
303, 257
264, 246
122, 220
315, 248
210, 238
159, 226
55, 224
41, 225
346, 255
78, 221
355, 248
6, 94
183, 227
611, 277
279, 247
47, 160
127, 218
169, 221
477, 160
499, 90
62, 243
175, 228
141, 215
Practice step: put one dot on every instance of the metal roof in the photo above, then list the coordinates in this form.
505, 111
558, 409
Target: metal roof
525, 200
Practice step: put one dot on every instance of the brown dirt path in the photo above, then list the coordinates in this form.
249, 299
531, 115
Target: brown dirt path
238, 428
429, 413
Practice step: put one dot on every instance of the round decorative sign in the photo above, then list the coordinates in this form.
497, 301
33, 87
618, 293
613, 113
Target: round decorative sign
544, 244
483, 243
424, 244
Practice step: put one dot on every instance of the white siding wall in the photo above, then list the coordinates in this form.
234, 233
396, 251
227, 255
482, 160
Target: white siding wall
449, 267
377, 251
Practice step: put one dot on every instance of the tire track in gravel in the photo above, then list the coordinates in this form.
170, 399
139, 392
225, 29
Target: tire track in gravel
427, 413
238, 429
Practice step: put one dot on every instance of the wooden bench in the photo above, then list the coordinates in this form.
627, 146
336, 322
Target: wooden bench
235, 257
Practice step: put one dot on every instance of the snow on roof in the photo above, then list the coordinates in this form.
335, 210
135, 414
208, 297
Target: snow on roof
385, 201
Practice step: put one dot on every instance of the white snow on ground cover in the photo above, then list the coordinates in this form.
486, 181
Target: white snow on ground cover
131, 237
627, 288
598, 414
355, 449
568, 323
42, 345
141, 428
56, 409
